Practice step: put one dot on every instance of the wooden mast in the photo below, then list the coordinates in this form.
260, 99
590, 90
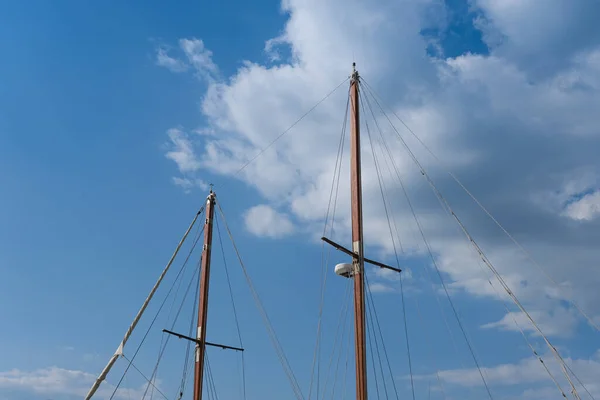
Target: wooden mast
203, 300
357, 241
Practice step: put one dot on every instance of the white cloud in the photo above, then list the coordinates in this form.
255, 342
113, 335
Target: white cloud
502, 122
170, 63
587, 208
378, 287
55, 381
528, 371
560, 322
187, 184
263, 220
182, 151
197, 56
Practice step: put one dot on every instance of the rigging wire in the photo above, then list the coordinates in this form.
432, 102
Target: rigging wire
325, 259
211, 380
144, 376
161, 305
484, 257
489, 214
197, 270
348, 301
383, 145
166, 341
291, 126
535, 353
437, 370
345, 385
237, 324
162, 339
341, 322
426, 242
186, 360
382, 188
372, 302
372, 353
373, 326
423, 326
272, 335
579, 381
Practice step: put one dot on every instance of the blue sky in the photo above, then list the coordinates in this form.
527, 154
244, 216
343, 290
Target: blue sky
114, 117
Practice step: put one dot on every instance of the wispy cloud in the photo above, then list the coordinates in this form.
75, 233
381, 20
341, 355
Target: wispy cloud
170, 63
187, 184
182, 151
64, 383
197, 57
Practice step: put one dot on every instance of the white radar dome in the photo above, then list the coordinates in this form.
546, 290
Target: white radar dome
344, 270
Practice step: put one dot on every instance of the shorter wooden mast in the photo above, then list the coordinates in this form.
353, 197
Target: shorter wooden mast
203, 299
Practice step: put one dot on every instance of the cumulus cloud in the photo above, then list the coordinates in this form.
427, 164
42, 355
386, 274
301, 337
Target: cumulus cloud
518, 125
263, 220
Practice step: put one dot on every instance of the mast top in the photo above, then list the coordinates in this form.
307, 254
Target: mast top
354, 77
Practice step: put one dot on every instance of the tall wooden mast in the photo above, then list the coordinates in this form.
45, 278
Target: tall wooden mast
357, 241
203, 300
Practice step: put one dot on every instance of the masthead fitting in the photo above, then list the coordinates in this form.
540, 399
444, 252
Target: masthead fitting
354, 75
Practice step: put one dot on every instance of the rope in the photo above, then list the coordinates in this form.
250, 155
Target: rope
485, 260
291, 126
145, 305
511, 237
369, 329
579, 381
341, 342
370, 294
373, 326
439, 273
186, 363
211, 380
173, 325
325, 260
383, 145
281, 355
198, 233
144, 376
154, 372
346, 365
343, 317
382, 190
437, 370
237, 324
